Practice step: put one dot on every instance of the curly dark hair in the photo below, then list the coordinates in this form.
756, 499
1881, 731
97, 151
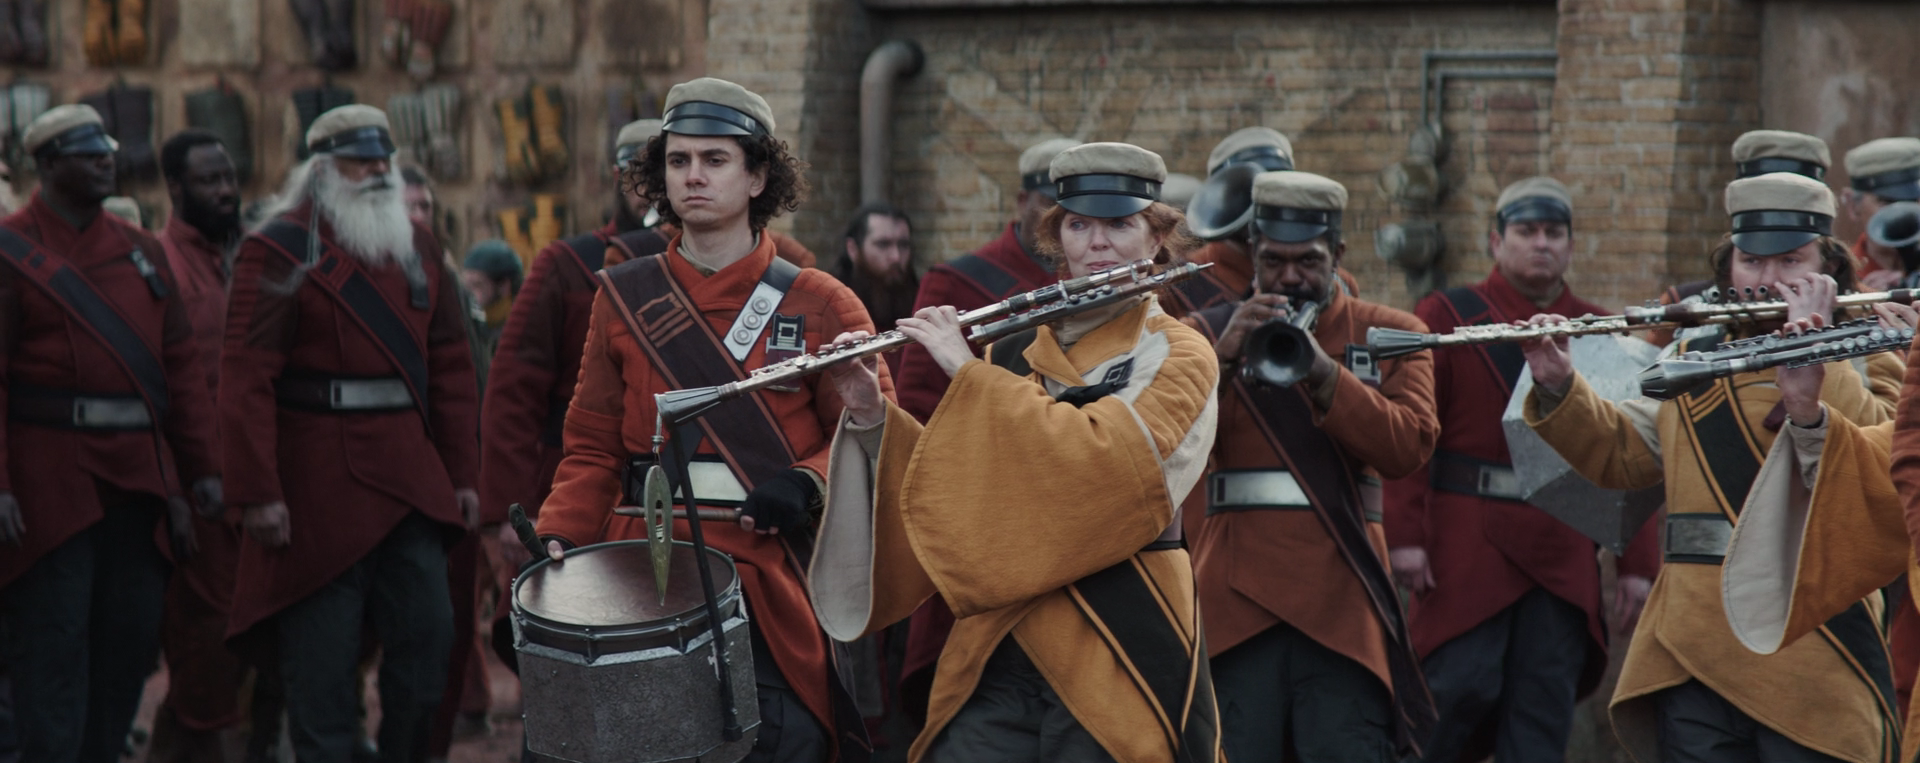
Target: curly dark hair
1162, 220
1834, 256
646, 175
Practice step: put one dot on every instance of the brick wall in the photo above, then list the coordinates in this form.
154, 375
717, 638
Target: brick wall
1650, 96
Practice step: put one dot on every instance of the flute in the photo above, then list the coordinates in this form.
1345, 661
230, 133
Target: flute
1393, 343
1690, 371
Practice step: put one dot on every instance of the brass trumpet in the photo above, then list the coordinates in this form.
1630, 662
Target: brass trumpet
1393, 343
1280, 351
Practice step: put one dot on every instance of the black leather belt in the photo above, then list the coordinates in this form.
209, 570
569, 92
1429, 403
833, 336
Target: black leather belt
1466, 475
383, 394
65, 409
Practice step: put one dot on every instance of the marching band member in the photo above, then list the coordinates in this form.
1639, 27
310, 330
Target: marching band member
716, 303
1076, 636
1690, 691
1311, 660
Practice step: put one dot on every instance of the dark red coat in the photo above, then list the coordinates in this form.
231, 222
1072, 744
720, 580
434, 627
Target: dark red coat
346, 479
200, 269
1485, 553
52, 471
532, 377
921, 382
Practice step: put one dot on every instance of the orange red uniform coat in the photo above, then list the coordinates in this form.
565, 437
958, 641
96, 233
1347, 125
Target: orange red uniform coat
346, 479
612, 416
52, 471
1386, 431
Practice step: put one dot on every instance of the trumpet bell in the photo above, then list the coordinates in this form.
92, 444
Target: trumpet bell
1278, 354
1224, 204
1896, 225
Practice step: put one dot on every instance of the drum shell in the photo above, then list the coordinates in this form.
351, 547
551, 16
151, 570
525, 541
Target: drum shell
649, 706
630, 692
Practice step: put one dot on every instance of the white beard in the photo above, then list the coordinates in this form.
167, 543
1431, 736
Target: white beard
369, 222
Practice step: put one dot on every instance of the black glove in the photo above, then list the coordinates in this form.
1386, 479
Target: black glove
783, 501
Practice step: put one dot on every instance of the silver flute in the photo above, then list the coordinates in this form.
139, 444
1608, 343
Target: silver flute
1691, 371
1006, 317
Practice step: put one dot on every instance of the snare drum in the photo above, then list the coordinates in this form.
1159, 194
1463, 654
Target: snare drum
609, 674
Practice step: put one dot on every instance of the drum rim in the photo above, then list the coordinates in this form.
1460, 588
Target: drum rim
611, 639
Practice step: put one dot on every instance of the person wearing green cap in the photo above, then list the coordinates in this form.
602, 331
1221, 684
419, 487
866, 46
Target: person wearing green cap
491, 273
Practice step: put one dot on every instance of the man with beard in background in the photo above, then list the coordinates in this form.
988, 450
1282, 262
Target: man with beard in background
348, 402
879, 266
203, 690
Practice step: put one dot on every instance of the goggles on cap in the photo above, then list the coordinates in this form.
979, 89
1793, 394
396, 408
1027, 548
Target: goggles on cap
357, 143
81, 140
1535, 209
1766, 164
1768, 232
1106, 195
1292, 225
1896, 185
708, 118
1268, 157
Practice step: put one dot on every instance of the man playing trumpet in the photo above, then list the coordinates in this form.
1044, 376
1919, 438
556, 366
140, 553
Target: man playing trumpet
1690, 690
1311, 661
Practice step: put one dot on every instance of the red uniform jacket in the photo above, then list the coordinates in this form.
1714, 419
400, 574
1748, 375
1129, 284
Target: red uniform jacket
200, 269
52, 471
535, 367
1386, 428
1485, 553
612, 417
922, 383
347, 479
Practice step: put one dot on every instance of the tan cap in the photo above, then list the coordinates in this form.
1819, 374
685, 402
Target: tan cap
709, 106
355, 131
1264, 146
1888, 168
1107, 179
1296, 206
1179, 189
1759, 152
1778, 212
1036, 164
123, 207
632, 138
77, 128
1538, 198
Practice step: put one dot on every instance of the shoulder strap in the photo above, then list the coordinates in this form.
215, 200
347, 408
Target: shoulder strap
1201, 292
364, 304
1723, 442
985, 275
1503, 358
94, 314
639, 243
1128, 610
589, 251
1010, 352
683, 348
1320, 466
1213, 320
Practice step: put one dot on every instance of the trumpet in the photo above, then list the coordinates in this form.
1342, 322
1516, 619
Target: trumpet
1755, 308
1690, 371
1007, 317
1280, 351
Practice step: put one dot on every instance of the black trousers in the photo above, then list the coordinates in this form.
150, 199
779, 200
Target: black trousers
1015, 717
399, 591
80, 633
1516, 673
1697, 725
788, 731
1285, 697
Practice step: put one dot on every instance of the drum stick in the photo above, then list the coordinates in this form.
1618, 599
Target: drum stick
706, 515
517, 517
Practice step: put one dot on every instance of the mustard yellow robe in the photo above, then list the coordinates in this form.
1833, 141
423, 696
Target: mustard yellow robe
1806, 691
1007, 496
1800, 555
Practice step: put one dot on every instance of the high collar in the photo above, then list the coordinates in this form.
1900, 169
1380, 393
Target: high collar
1517, 306
726, 287
1109, 335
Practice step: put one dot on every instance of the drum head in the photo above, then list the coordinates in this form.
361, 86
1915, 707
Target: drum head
610, 585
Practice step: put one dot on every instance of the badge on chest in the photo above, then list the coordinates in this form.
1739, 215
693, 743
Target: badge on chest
1361, 363
786, 340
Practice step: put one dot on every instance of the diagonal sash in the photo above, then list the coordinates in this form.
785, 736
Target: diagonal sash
1503, 358
1320, 466
991, 279
587, 250
688, 354
364, 304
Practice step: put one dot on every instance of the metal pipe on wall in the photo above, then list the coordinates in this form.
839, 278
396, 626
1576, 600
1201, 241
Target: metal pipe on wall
890, 62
